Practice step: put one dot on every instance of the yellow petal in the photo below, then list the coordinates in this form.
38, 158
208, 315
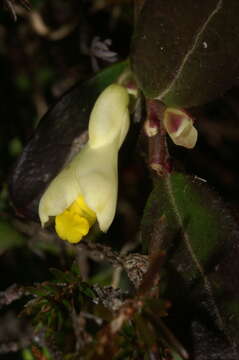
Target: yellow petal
71, 227
75, 221
80, 207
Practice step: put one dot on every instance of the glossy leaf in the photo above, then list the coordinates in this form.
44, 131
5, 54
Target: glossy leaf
202, 269
60, 134
185, 52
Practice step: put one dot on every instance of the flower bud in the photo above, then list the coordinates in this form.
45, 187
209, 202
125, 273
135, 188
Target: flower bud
180, 127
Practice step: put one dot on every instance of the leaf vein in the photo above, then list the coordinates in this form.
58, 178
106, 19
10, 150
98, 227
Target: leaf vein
192, 48
193, 255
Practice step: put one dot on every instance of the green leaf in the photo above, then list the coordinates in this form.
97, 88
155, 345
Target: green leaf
66, 276
57, 138
185, 52
27, 355
87, 290
202, 269
176, 356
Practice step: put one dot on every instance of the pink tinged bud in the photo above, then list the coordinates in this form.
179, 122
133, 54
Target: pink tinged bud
179, 126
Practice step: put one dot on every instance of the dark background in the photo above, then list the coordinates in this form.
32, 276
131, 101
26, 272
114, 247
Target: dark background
35, 70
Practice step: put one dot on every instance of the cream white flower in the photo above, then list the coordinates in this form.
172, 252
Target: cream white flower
86, 189
180, 127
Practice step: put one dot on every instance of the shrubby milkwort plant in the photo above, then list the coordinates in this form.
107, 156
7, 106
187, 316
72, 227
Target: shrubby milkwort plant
163, 283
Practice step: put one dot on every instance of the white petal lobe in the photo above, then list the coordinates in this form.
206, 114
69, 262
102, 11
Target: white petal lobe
93, 172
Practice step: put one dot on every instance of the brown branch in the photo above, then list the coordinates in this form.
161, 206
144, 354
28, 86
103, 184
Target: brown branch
12, 293
169, 336
134, 264
11, 5
159, 159
151, 277
14, 346
99, 253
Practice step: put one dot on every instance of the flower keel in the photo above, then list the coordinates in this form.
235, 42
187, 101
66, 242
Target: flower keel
75, 221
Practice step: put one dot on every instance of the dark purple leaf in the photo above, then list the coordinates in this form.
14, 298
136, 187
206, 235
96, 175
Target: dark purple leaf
201, 263
185, 52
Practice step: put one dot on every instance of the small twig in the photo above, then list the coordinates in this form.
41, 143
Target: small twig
116, 277
118, 270
39, 26
79, 325
12, 293
82, 260
172, 340
42, 29
130, 307
136, 265
11, 5
111, 298
15, 346
52, 346
12, 9
98, 252
151, 277
105, 341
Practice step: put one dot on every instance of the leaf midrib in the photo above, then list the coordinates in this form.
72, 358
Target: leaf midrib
191, 49
197, 263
